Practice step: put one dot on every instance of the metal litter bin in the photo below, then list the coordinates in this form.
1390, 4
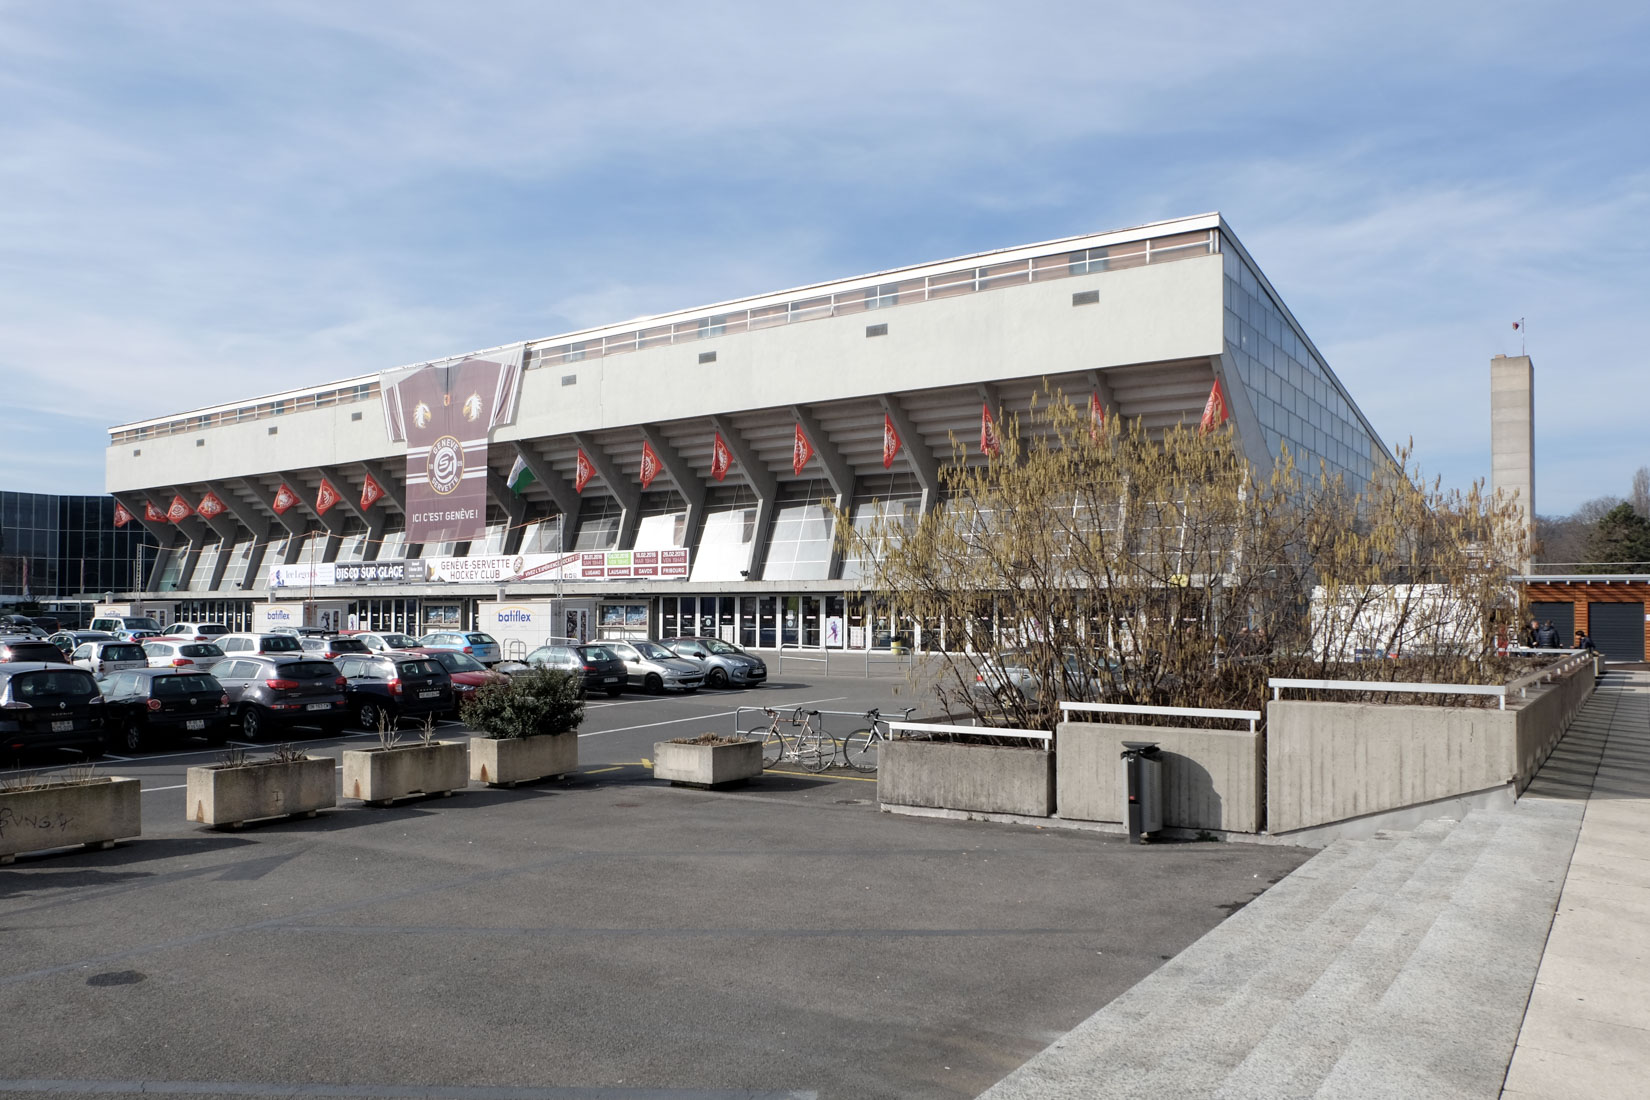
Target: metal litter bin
1141, 764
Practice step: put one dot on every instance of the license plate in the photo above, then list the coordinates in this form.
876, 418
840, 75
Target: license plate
63, 727
318, 706
429, 694
195, 724
612, 679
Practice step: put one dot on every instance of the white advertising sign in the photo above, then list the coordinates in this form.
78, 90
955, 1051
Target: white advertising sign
300, 576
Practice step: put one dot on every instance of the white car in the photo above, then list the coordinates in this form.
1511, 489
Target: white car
181, 653
103, 658
383, 641
194, 632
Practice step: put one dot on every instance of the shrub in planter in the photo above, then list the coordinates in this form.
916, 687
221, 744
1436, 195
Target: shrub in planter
241, 788
709, 760
526, 727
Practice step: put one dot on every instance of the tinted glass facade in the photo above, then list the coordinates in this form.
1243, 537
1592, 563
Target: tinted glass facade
53, 547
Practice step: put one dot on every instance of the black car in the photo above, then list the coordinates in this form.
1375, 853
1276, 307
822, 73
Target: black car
386, 687
27, 650
601, 668
49, 706
150, 706
270, 692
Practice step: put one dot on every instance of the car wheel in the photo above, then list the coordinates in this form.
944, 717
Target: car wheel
368, 716
716, 678
133, 736
252, 724
653, 683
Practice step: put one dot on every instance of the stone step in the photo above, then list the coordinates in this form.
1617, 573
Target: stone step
1305, 1042
1448, 1022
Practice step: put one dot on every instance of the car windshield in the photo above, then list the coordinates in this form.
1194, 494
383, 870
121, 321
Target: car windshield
307, 670
652, 652
349, 645
418, 668
597, 653
55, 684
399, 641
199, 649
282, 643
720, 648
453, 661
211, 628
480, 639
170, 687
34, 651
124, 653
140, 623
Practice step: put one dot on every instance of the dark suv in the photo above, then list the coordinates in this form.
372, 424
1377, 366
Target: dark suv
268, 693
390, 686
49, 706
148, 706
31, 649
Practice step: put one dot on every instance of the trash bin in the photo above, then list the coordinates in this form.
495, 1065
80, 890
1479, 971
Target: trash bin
1142, 774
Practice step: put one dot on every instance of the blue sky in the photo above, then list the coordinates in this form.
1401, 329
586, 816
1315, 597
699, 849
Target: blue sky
200, 202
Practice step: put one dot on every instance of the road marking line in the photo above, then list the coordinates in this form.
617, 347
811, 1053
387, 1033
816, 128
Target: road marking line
827, 775
705, 717
598, 771
179, 787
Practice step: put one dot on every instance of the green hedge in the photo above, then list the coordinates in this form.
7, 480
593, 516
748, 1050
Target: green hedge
544, 700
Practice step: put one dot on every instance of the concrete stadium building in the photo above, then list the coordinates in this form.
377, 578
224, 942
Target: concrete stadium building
739, 417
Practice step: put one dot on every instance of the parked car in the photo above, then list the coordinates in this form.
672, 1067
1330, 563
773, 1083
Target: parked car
22, 626
478, 645
132, 634
232, 644
386, 687
269, 692
165, 653
14, 649
195, 632
69, 640
600, 666
468, 674
652, 667
1010, 674
154, 706
49, 706
331, 646
116, 623
724, 663
383, 641
102, 658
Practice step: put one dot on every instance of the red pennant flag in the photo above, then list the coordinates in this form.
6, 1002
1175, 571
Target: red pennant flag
122, 516
179, 510
801, 451
153, 514
371, 493
1097, 416
988, 432
890, 441
1214, 410
650, 464
210, 506
720, 458
325, 497
284, 499
582, 473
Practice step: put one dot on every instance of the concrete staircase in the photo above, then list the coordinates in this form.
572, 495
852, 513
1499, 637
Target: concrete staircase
1398, 965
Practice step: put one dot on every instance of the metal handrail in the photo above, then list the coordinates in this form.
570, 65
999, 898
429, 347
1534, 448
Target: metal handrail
1250, 716
980, 731
1500, 691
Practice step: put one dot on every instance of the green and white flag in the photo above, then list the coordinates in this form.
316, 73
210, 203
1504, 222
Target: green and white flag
520, 476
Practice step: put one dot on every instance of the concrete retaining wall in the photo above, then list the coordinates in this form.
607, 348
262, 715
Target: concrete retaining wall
1329, 762
978, 778
99, 812
1212, 779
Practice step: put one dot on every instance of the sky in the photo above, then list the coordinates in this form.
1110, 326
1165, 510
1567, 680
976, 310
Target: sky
202, 202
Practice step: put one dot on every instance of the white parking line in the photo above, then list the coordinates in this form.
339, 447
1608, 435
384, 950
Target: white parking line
179, 787
705, 717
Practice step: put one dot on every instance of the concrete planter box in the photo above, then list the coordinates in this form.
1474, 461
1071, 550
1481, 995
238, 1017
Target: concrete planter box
96, 813
383, 775
506, 761
1211, 778
991, 779
707, 765
234, 796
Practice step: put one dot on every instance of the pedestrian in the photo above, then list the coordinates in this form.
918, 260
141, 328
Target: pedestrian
1546, 637
1585, 643
1526, 637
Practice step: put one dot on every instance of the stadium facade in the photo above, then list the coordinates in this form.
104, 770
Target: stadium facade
664, 476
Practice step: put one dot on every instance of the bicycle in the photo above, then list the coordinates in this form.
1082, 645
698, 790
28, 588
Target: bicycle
860, 749
807, 747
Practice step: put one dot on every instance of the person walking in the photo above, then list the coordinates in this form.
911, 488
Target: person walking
1584, 642
1546, 637
1526, 637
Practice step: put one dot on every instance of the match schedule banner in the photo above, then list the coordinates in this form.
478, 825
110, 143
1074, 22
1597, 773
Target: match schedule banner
445, 414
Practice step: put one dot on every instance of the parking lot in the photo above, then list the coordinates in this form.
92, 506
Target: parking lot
602, 936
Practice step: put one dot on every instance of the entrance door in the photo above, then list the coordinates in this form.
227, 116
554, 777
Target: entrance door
1617, 629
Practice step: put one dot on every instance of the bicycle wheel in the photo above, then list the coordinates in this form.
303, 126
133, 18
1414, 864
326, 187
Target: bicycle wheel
816, 750
773, 748
860, 750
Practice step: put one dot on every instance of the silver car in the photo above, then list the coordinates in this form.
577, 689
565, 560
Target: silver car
724, 663
102, 658
182, 653
652, 667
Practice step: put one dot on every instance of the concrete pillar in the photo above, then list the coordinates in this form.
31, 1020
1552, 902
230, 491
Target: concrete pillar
1512, 438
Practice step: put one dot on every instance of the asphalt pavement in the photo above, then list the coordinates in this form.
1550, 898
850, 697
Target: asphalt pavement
606, 935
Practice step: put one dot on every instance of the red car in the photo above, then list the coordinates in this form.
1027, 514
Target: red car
468, 673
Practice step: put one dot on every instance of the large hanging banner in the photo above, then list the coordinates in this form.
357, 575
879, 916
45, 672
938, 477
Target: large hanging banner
445, 413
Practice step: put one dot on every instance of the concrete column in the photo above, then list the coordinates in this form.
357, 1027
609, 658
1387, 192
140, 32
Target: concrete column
1512, 439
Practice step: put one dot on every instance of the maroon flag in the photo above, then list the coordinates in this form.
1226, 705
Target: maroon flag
582, 473
153, 514
650, 464
988, 432
801, 451
179, 510
1097, 416
720, 458
325, 497
1214, 410
284, 499
371, 493
122, 516
210, 506
890, 441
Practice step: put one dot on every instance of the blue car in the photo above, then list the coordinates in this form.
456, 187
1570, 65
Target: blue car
481, 646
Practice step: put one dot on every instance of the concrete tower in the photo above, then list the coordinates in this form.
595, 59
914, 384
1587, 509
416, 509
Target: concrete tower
1512, 438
